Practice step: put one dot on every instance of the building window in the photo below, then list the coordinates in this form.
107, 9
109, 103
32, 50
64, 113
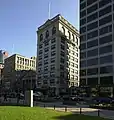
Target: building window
18, 59
83, 46
62, 47
26, 60
92, 62
107, 80
40, 52
106, 69
92, 71
76, 71
105, 49
92, 17
52, 81
104, 2
83, 55
45, 62
105, 30
46, 68
92, 81
73, 37
83, 21
75, 65
76, 54
53, 53
40, 46
46, 55
69, 35
46, 43
62, 60
83, 29
76, 49
40, 64
53, 40
92, 26
105, 39
106, 59
105, 11
76, 60
92, 34
52, 67
72, 83
83, 5
46, 49
53, 47
105, 20
62, 67
76, 40
91, 53
62, 53
62, 40
83, 13
63, 30
41, 37
47, 34
53, 30
82, 82
92, 43
89, 2
81, 1
52, 60
83, 72
82, 38
92, 8
83, 63
40, 57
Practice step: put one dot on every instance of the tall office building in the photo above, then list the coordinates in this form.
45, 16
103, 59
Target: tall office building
16, 68
58, 55
97, 43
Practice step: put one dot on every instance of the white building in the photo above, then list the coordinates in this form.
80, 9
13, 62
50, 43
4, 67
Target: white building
16, 66
58, 55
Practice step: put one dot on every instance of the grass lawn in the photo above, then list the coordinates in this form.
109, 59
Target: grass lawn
36, 113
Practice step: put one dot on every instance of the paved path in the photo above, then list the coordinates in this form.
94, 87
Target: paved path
76, 109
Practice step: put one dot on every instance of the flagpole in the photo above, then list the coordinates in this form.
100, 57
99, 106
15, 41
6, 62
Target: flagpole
49, 11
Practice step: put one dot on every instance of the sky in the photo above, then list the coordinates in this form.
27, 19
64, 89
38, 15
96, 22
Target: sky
19, 20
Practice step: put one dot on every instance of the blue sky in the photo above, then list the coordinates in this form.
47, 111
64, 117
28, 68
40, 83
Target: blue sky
19, 20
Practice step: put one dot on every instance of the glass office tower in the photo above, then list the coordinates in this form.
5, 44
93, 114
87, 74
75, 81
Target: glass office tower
97, 43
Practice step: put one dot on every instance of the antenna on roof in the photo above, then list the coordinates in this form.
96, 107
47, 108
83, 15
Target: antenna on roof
12, 49
49, 12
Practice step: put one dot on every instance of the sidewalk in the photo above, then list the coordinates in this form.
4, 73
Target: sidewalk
76, 109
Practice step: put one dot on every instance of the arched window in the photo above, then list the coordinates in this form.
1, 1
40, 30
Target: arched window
73, 37
77, 40
63, 30
53, 30
69, 35
47, 34
41, 37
